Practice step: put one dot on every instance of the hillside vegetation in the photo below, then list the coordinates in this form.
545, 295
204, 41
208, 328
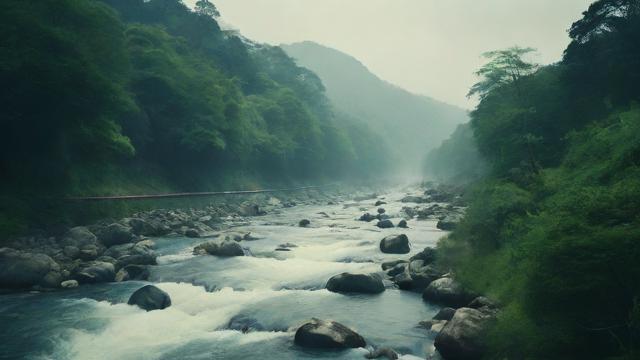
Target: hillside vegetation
553, 231
128, 96
411, 124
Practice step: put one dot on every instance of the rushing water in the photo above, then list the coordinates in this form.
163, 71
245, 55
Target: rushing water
280, 290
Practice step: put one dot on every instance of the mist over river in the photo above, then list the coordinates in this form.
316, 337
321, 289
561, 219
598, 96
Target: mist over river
277, 290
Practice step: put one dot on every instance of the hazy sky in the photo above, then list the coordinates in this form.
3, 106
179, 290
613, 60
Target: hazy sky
430, 47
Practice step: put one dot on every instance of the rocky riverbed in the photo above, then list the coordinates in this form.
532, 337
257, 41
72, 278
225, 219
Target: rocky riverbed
313, 274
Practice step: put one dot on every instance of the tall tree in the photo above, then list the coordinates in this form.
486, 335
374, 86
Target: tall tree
504, 67
205, 7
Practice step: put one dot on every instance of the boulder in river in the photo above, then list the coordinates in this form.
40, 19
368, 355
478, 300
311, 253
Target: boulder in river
140, 253
95, 272
463, 336
355, 283
391, 264
326, 334
367, 217
413, 199
403, 224
150, 227
379, 202
21, 269
383, 352
448, 292
446, 313
449, 222
428, 255
132, 272
115, 234
384, 224
244, 323
395, 244
219, 248
150, 298
304, 223
79, 237
381, 211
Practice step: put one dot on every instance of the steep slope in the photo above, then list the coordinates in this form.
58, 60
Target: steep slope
412, 124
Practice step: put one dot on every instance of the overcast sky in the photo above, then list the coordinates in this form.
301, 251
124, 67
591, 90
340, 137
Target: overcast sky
430, 47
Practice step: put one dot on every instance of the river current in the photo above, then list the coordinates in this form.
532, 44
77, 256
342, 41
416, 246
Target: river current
279, 290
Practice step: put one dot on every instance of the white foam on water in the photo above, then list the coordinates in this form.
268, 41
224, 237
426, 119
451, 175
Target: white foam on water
195, 314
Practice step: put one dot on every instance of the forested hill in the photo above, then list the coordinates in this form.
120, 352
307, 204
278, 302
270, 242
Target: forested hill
412, 124
126, 96
553, 231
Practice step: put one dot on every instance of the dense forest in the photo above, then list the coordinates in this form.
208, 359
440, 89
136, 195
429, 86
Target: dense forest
129, 96
410, 124
553, 230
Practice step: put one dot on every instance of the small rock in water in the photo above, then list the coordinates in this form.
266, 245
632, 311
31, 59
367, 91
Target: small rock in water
367, 217
326, 334
355, 283
244, 323
150, 298
69, 284
395, 244
304, 223
403, 224
383, 352
217, 248
381, 211
448, 292
384, 224
379, 202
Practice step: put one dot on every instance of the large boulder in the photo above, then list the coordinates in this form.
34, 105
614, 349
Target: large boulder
79, 237
355, 283
391, 264
115, 234
395, 244
150, 298
140, 253
463, 336
95, 272
148, 227
428, 255
326, 334
219, 248
20, 269
422, 275
448, 292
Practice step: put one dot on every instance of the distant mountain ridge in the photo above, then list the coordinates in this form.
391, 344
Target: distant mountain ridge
412, 124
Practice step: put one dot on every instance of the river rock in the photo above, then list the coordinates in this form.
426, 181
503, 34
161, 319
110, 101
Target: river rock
385, 224
355, 283
132, 272
433, 325
150, 298
398, 269
304, 223
79, 236
148, 227
395, 244
383, 352
21, 269
391, 264
412, 199
69, 284
445, 313
379, 202
219, 248
95, 272
140, 253
463, 336
367, 217
88, 252
381, 211
115, 234
326, 334
428, 255
448, 292
403, 224
245, 324
449, 222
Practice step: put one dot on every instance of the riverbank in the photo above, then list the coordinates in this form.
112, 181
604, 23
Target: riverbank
286, 270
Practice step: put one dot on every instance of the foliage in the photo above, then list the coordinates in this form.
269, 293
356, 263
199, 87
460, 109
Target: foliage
114, 86
553, 232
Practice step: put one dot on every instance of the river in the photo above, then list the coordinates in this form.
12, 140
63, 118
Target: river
279, 290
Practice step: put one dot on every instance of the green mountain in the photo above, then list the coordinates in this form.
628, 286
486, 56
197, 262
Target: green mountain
134, 96
411, 124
